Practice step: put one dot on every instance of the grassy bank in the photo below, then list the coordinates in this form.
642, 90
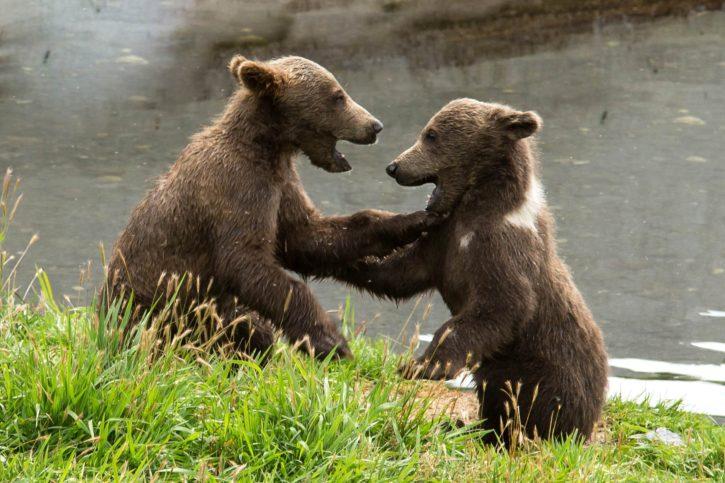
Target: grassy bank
75, 405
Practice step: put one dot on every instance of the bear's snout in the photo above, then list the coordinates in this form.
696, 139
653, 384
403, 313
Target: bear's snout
406, 175
391, 169
371, 132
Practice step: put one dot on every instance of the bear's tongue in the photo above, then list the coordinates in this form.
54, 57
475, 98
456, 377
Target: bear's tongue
434, 197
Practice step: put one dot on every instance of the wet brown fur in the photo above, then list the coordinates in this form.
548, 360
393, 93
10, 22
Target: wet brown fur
231, 214
517, 316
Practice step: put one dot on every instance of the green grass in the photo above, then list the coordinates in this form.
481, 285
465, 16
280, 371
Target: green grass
76, 405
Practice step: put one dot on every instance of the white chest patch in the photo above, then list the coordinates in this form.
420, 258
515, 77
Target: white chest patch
525, 215
465, 240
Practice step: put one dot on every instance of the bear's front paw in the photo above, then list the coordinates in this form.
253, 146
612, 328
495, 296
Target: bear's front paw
423, 220
322, 345
408, 228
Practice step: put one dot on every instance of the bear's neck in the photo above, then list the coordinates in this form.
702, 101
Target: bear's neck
506, 190
253, 124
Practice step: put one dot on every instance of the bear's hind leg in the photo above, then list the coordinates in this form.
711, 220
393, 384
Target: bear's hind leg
520, 398
244, 333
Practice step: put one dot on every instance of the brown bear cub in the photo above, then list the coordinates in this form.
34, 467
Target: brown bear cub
231, 214
517, 320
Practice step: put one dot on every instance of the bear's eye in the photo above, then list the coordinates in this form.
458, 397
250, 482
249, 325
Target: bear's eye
430, 135
338, 98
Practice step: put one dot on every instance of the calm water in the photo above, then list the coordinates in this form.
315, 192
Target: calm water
95, 104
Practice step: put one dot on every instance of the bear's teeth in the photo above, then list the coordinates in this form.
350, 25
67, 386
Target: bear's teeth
433, 197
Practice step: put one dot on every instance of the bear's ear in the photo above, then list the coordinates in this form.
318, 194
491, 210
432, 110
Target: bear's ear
521, 124
235, 64
258, 77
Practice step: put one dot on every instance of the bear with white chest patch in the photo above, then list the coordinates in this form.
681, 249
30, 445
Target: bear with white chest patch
517, 320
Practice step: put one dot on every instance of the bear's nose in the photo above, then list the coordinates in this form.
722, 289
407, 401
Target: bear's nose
391, 169
377, 126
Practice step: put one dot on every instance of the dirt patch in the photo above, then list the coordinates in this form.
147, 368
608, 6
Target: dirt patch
458, 405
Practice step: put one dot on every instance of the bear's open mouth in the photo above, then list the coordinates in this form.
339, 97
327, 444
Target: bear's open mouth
435, 195
433, 198
323, 153
336, 162
341, 162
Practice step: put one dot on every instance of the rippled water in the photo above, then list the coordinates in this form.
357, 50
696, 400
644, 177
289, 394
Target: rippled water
96, 102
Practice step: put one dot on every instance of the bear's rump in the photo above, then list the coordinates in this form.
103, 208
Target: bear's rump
545, 399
